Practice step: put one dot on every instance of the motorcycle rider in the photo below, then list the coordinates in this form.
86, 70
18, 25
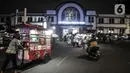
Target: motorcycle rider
92, 43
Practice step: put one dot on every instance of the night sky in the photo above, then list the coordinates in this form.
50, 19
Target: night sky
40, 6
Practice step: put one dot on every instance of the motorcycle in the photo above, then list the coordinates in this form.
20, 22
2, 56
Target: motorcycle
93, 53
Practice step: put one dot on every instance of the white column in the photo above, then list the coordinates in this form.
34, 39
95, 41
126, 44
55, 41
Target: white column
33, 19
106, 20
16, 18
25, 14
36, 19
127, 29
118, 30
115, 30
105, 30
117, 20
127, 26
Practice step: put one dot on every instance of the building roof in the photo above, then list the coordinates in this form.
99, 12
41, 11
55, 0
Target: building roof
61, 4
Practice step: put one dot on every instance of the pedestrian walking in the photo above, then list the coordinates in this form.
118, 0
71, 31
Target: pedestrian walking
11, 53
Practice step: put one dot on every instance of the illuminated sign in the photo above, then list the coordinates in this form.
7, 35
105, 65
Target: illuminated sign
63, 22
40, 24
48, 32
43, 24
24, 31
33, 32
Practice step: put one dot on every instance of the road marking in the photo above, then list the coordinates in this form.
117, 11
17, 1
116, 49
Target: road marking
61, 61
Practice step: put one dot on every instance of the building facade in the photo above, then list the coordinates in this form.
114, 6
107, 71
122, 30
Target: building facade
111, 23
71, 16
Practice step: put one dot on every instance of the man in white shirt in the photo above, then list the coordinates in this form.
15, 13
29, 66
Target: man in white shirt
11, 53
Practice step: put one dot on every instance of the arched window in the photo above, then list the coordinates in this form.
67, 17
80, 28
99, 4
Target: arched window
101, 20
122, 21
31, 19
52, 19
2, 19
70, 14
39, 19
19, 19
111, 20
91, 19
49, 19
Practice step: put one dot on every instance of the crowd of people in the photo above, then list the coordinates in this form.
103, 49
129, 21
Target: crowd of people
86, 41
89, 40
78, 40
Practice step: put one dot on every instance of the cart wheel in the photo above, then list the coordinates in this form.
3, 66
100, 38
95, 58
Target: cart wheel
46, 58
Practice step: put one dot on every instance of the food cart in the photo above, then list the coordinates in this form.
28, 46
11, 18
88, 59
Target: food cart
37, 42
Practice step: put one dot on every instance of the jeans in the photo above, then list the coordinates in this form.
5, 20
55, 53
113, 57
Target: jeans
9, 57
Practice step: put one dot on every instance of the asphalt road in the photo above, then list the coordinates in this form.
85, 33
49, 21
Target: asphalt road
66, 59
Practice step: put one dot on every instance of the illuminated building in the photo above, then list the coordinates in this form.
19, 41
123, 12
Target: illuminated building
71, 17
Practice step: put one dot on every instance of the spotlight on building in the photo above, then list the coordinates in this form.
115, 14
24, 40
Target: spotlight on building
45, 25
49, 32
53, 27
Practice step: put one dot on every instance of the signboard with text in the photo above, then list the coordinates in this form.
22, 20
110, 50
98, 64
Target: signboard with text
119, 9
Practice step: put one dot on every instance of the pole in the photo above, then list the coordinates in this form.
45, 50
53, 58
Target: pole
16, 18
23, 49
96, 22
25, 13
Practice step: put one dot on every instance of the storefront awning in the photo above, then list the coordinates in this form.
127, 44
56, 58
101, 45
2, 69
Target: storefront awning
30, 26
